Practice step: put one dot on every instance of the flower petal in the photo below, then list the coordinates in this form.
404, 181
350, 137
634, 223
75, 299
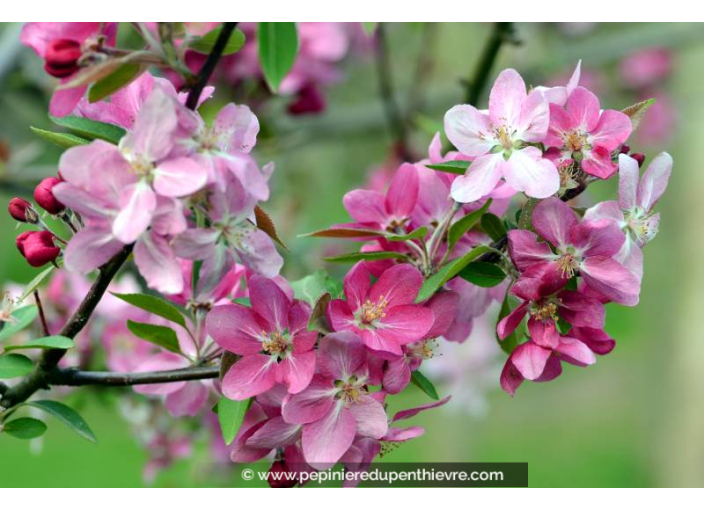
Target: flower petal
235, 328
627, 181
554, 220
296, 371
179, 177
506, 98
137, 205
530, 360
250, 376
403, 191
480, 179
654, 181
611, 279
526, 171
326, 440
398, 285
467, 128
370, 416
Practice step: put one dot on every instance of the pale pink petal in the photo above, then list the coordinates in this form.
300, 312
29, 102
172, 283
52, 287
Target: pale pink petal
341, 355
654, 181
397, 376
249, 377
258, 252
534, 118
235, 328
370, 416
526, 171
157, 264
63, 101
137, 205
554, 220
296, 371
90, 248
631, 256
196, 243
326, 440
611, 279
395, 435
160, 362
525, 250
583, 107
609, 210
598, 238
187, 401
151, 136
469, 130
269, 301
481, 178
575, 352
530, 360
179, 177
398, 285
238, 127
403, 191
628, 171
274, 434
506, 99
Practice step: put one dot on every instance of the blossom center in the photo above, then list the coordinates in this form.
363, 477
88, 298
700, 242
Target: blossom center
643, 227
370, 312
351, 390
276, 343
504, 138
421, 350
568, 264
544, 310
575, 141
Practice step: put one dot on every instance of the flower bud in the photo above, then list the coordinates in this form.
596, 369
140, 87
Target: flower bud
21, 210
308, 100
37, 247
279, 476
44, 196
61, 57
639, 157
625, 149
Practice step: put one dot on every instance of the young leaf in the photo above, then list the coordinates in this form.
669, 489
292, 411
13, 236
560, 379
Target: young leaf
345, 233
228, 359
63, 140
637, 111
21, 318
366, 255
244, 301
14, 365
447, 272
230, 415
318, 318
91, 129
155, 305
493, 226
509, 343
206, 43
424, 384
36, 282
483, 274
369, 27
24, 428
465, 224
278, 45
158, 335
120, 77
418, 233
266, 224
68, 416
311, 287
47, 342
458, 167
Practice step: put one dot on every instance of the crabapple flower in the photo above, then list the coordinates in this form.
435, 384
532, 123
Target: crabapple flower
583, 133
272, 337
336, 406
586, 246
559, 94
383, 315
634, 210
499, 142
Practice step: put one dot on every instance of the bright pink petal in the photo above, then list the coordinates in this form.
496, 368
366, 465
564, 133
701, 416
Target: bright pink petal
530, 360
468, 129
403, 191
340, 316
613, 129
235, 328
296, 371
410, 413
365, 206
525, 250
312, 403
583, 107
403, 324
398, 285
481, 178
65, 100
554, 220
356, 286
611, 279
269, 301
326, 440
249, 377
597, 162
444, 307
508, 324
527, 171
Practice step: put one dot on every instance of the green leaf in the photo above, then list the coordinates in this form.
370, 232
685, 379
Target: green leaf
278, 45
68, 416
36, 282
637, 111
483, 274
465, 224
367, 255
244, 301
424, 384
206, 43
345, 233
418, 233
21, 318
63, 140
311, 287
47, 342
509, 343
318, 318
91, 129
24, 428
230, 415
120, 77
155, 305
447, 272
369, 27
451, 167
493, 226
14, 365
158, 335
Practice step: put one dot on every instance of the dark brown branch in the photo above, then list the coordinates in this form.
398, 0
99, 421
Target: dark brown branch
42, 317
209, 66
76, 377
394, 117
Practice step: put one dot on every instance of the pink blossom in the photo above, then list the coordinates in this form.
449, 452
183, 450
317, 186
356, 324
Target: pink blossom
498, 140
587, 247
645, 67
584, 133
335, 407
272, 337
383, 315
559, 94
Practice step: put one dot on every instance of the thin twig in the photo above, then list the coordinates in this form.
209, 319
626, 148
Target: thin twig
42, 317
76, 377
394, 117
209, 66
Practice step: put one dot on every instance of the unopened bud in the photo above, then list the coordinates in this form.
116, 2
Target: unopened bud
280, 476
308, 100
44, 196
61, 57
21, 210
625, 149
37, 248
639, 157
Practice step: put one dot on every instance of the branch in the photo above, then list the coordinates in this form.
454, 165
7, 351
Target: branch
209, 66
394, 117
503, 32
76, 377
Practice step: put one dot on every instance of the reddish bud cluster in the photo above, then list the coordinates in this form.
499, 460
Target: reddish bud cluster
37, 247
44, 196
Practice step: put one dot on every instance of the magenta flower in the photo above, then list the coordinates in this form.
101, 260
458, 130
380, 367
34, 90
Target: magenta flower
585, 247
584, 133
544, 301
383, 315
272, 337
499, 140
389, 212
634, 210
336, 406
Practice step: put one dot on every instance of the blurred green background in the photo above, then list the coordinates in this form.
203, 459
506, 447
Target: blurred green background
636, 418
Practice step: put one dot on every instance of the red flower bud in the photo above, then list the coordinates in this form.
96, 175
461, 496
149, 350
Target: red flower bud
45, 197
61, 57
37, 247
625, 149
21, 210
308, 100
639, 157
279, 476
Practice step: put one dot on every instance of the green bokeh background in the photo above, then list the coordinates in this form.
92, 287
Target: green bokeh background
636, 418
